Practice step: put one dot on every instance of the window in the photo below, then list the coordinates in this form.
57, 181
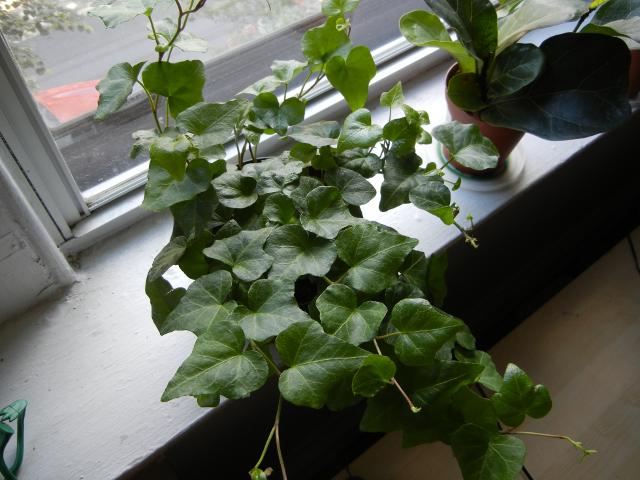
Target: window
62, 53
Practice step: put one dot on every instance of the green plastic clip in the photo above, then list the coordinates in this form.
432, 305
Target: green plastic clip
16, 410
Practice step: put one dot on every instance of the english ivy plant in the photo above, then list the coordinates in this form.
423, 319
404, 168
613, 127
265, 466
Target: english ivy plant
288, 279
571, 86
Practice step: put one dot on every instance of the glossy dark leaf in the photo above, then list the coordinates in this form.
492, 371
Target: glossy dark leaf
375, 373
514, 69
354, 188
181, 83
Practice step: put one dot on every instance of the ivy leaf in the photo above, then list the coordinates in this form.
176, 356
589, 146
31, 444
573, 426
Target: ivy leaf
171, 153
326, 214
373, 255
193, 216
518, 397
297, 252
181, 83
287, 70
163, 298
393, 98
467, 145
317, 363
358, 132
243, 253
342, 317
166, 28
435, 198
213, 122
424, 29
116, 87
427, 274
319, 134
279, 208
487, 455
490, 377
203, 304
169, 256
219, 366
401, 175
163, 190
319, 44
442, 379
366, 164
515, 68
120, 11
305, 186
270, 309
351, 77
421, 330
236, 190
354, 188
270, 115
335, 8
375, 373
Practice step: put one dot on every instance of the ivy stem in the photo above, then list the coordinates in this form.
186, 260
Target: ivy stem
395, 383
388, 335
278, 446
153, 105
473, 241
578, 445
265, 449
583, 18
312, 86
328, 280
255, 346
304, 84
237, 139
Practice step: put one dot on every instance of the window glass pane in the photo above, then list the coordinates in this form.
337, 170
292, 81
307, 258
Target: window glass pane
63, 53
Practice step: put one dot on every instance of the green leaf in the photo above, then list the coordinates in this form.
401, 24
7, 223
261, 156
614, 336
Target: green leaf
319, 134
213, 122
342, 316
375, 373
442, 379
421, 330
519, 397
287, 70
181, 83
434, 197
120, 11
486, 455
219, 366
335, 8
270, 309
163, 298
425, 29
354, 188
167, 257
236, 190
326, 214
163, 190
366, 164
515, 68
358, 132
297, 252
490, 377
373, 255
193, 216
466, 91
351, 77
475, 22
203, 305
401, 175
319, 44
467, 145
427, 274
535, 14
115, 88
279, 208
582, 91
270, 115
243, 253
394, 97
623, 17
208, 401
185, 41
317, 363
171, 153
305, 186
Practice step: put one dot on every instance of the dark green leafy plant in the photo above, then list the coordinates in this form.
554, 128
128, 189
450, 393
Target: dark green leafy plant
572, 86
618, 18
288, 278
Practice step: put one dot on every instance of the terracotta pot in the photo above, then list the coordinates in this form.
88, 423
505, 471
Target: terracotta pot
505, 139
634, 74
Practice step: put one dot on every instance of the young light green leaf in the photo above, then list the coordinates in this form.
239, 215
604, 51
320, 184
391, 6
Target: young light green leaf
434, 197
342, 316
319, 44
374, 256
351, 76
425, 29
115, 88
519, 397
163, 190
420, 331
467, 145
204, 304
358, 132
270, 115
335, 8
287, 70
219, 366
393, 98
401, 175
120, 11
319, 134
270, 309
243, 253
297, 252
236, 190
487, 455
515, 68
354, 188
326, 214
213, 122
375, 373
317, 362
181, 83
279, 208
185, 41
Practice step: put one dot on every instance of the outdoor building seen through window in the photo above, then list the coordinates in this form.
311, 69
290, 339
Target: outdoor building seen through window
63, 53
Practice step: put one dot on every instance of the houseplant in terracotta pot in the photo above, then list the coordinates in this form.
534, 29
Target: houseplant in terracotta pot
571, 86
288, 279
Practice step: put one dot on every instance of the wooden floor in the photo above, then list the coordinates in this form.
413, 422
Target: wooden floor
584, 345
